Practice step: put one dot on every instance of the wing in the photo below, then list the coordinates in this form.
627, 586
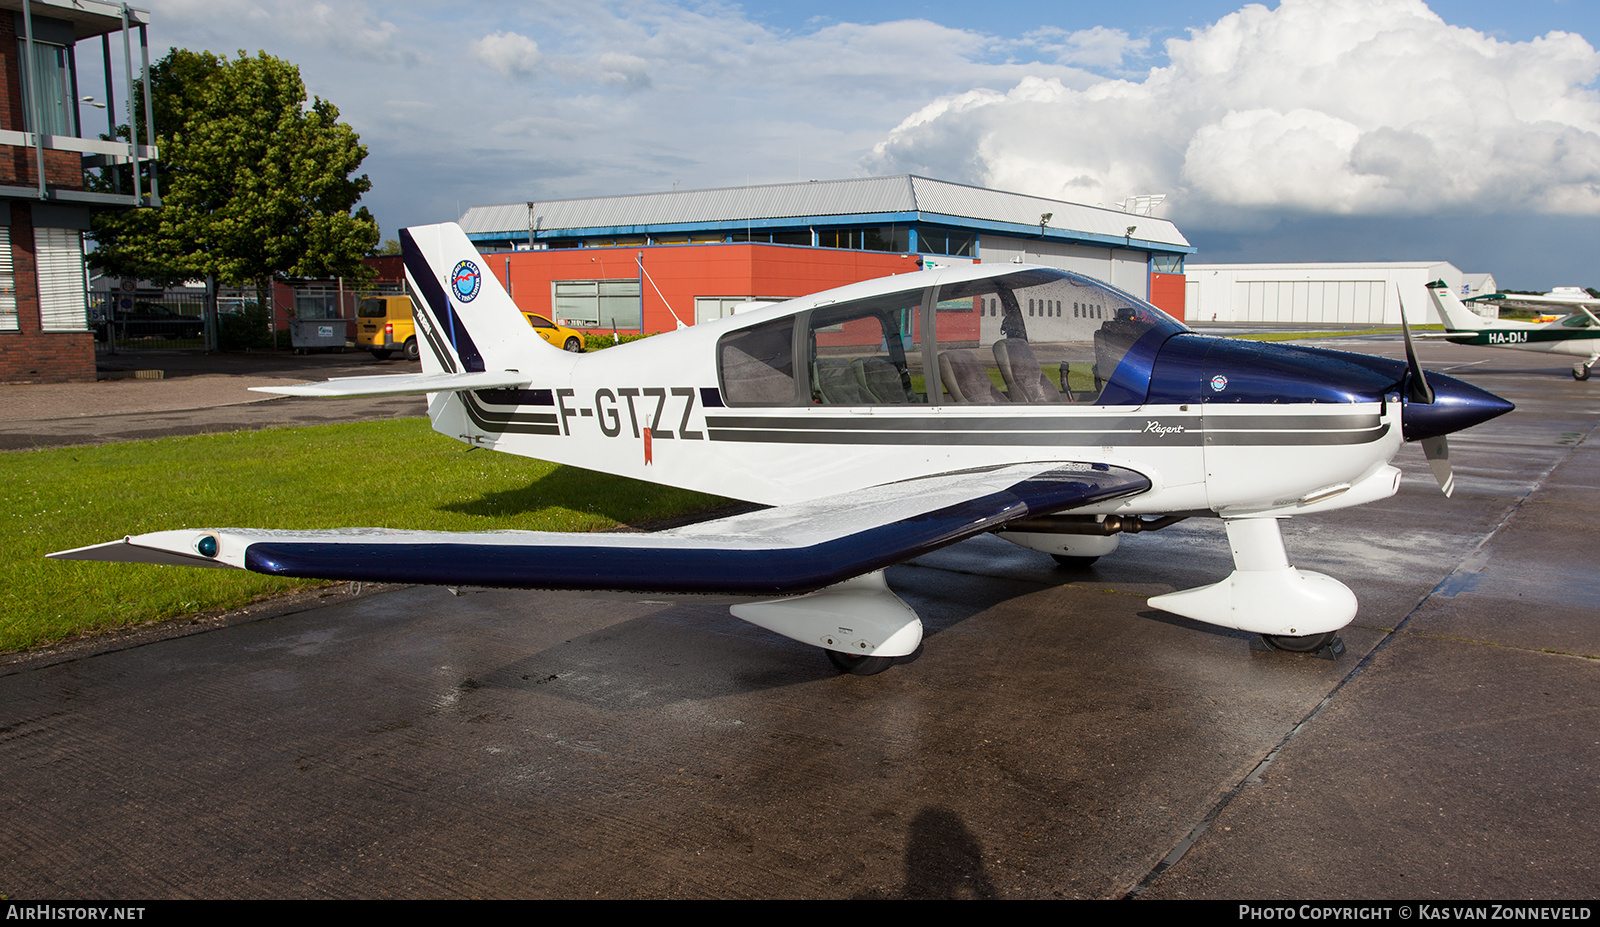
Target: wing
1515, 300
788, 550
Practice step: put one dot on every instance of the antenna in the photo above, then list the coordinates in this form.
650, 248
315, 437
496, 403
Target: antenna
640, 260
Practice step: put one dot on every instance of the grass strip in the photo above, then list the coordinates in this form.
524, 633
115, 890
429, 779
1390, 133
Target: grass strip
1300, 336
388, 474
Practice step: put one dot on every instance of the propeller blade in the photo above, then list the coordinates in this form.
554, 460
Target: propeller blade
1437, 450
1418, 390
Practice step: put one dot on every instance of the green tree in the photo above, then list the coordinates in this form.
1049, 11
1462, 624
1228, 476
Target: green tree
254, 184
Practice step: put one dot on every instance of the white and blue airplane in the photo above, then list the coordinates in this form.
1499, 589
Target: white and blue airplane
1576, 332
880, 421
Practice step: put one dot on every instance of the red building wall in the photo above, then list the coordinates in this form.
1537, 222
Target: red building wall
684, 272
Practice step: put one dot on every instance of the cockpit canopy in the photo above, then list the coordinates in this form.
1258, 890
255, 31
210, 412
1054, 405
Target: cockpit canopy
1034, 335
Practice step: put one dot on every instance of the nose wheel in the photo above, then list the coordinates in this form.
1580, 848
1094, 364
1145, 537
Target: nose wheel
1267, 596
1327, 646
1310, 643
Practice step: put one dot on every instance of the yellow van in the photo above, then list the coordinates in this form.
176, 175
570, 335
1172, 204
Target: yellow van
384, 326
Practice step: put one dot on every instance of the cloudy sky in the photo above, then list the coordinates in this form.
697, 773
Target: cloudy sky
1461, 130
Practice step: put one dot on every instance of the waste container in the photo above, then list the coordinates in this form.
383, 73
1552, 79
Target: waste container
316, 333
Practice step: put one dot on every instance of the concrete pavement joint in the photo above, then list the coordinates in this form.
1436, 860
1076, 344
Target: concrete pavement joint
1477, 556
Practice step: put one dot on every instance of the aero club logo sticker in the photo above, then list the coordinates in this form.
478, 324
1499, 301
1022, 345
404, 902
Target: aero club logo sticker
466, 280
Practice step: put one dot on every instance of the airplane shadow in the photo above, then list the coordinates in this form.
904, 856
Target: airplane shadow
675, 653
615, 497
684, 650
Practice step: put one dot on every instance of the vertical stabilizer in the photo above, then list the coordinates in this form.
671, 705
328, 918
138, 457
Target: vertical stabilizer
1453, 312
466, 322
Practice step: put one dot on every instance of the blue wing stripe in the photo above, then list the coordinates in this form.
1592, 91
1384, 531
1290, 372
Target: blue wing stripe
694, 570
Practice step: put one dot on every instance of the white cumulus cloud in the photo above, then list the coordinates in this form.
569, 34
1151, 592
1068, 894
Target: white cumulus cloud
1355, 107
509, 53
1095, 47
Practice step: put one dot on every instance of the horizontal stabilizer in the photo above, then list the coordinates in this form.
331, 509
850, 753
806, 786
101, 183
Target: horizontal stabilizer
787, 550
402, 384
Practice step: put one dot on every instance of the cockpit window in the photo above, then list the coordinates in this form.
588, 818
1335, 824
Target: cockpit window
865, 352
1043, 336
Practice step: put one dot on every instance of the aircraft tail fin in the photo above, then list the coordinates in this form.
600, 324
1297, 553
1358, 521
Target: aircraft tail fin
466, 322
1453, 312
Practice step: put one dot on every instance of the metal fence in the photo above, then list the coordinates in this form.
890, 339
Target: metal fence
123, 323
161, 321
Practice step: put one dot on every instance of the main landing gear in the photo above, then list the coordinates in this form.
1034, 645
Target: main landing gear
1580, 371
864, 626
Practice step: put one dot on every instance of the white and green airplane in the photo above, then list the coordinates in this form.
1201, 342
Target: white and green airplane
1576, 331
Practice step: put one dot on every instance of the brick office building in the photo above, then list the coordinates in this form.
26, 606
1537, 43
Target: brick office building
44, 151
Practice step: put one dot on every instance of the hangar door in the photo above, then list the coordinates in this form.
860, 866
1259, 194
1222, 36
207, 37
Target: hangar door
1348, 301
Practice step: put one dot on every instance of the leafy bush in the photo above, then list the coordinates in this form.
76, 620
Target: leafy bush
245, 331
593, 342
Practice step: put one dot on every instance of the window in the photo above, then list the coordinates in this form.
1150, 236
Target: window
783, 237
8, 285
599, 304
865, 352
708, 308
1166, 263
941, 241
316, 305
62, 303
1009, 339
880, 238
757, 365
992, 340
52, 79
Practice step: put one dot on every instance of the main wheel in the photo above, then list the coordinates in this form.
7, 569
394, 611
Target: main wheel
1580, 371
573, 345
858, 666
412, 351
1310, 643
1074, 563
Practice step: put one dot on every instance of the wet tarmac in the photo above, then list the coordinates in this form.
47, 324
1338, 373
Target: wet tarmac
1054, 738
194, 393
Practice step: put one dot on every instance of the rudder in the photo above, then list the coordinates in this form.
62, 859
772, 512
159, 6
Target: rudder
1453, 312
466, 321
